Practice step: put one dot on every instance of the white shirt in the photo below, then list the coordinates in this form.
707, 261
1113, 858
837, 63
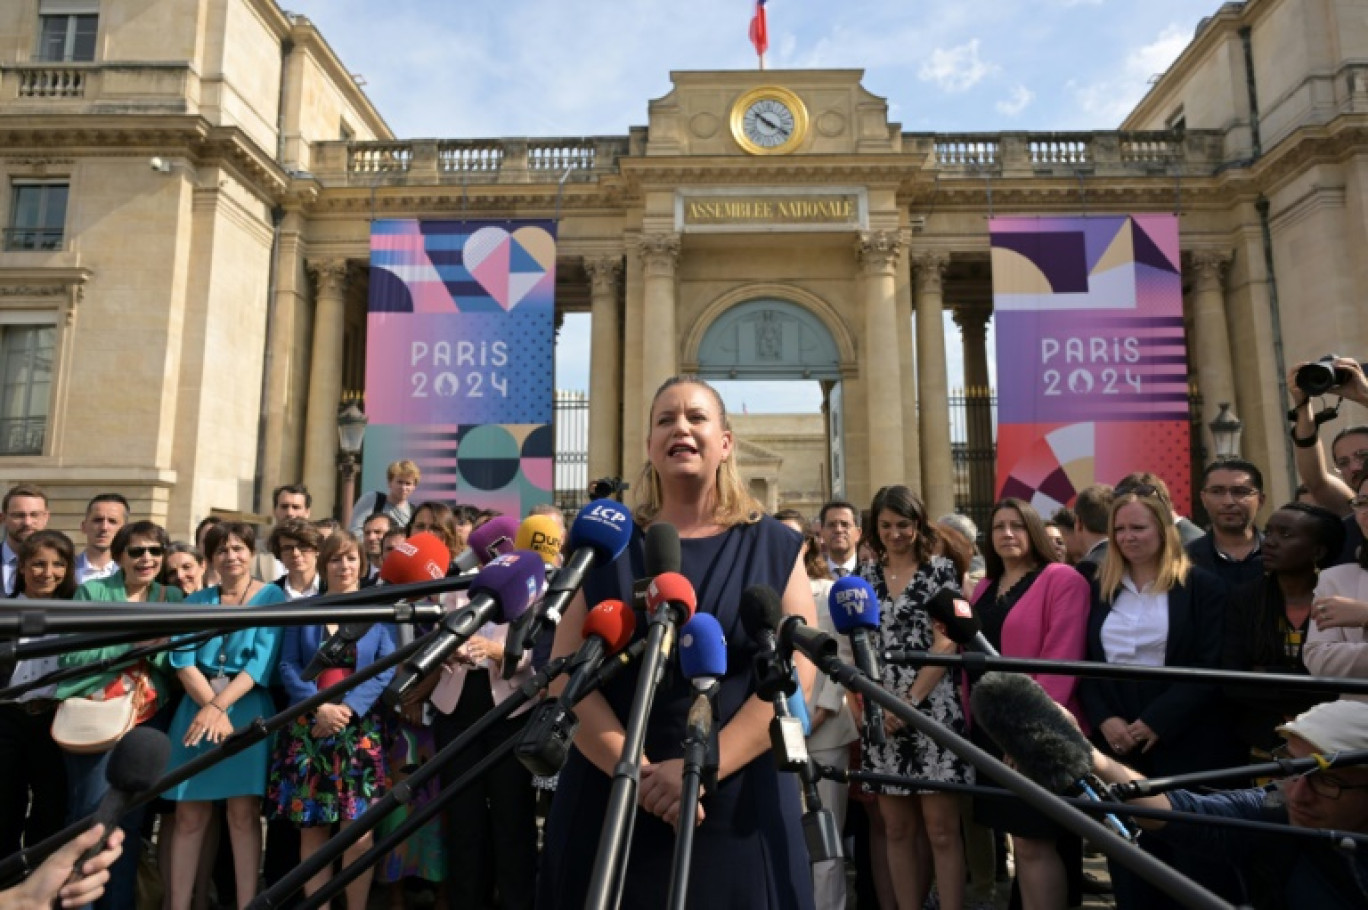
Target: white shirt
842, 569
26, 670
1135, 632
11, 566
309, 591
84, 571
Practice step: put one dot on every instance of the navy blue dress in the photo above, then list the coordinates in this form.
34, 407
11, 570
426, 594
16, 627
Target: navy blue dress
749, 853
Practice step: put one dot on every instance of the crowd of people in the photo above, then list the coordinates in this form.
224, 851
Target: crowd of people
1119, 577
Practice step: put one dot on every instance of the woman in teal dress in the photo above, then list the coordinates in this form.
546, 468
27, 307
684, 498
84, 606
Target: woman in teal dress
225, 689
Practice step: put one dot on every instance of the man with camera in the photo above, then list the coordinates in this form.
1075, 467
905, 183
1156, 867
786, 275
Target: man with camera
1342, 376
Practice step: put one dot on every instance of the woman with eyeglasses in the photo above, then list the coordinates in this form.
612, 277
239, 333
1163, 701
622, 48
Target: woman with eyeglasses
1268, 621
1151, 607
225, 689
1338, 644
139, 549
328, 767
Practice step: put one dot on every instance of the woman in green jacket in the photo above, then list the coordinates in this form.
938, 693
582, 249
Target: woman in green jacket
139, 549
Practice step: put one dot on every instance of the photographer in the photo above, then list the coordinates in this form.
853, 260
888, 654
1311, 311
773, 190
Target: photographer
1349, 450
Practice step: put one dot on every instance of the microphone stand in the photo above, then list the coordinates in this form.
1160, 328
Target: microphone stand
975, 662
19, 864
615, 839
1286, 767
700, 772
108, 663
424, 814
820, 648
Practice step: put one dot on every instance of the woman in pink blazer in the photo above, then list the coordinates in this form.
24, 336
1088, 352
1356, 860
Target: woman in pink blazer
1031, 606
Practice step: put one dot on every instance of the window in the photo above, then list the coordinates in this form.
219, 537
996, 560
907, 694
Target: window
26, 357
66, 30
37, 216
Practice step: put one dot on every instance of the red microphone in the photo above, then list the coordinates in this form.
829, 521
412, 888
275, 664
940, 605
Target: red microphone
608, 628
423, 557
671, 596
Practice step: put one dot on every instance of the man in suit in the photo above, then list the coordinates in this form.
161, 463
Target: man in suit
26, 511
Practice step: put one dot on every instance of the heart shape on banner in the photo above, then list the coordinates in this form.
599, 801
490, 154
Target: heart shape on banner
509, 266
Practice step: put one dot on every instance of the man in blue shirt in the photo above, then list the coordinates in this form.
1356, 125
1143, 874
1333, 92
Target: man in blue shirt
1276, 871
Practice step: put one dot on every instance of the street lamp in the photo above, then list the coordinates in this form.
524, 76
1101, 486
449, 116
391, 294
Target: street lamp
351, 432
1225, 432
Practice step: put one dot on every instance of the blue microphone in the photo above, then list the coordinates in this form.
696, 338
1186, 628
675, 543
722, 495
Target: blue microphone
702, 650
598, 535
703, 659
854, 612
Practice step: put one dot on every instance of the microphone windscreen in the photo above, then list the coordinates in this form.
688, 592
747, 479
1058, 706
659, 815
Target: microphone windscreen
1026, 723
761, 610
671, 587
494, 538
138, 760
612, 621
422, 557
662, 552
540, 534
853, 605
702, 648
603, 526
956, 614
515, 580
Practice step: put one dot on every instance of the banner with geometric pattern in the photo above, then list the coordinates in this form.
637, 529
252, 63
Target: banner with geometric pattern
459, 359
1091, 355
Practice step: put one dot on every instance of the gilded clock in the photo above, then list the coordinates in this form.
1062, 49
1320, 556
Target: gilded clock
769, 121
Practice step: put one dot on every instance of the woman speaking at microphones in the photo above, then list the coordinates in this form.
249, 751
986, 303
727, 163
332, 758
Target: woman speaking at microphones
748, 849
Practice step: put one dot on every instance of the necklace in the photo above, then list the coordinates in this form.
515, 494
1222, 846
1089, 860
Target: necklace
899, 578
238, 598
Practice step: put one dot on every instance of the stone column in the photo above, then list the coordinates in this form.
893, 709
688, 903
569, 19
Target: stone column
660, 342
285, 311
325, 383
605, 373
978, 403
1211, 342
881, 366
932, 384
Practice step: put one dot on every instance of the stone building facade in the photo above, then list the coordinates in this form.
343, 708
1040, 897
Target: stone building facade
187, 188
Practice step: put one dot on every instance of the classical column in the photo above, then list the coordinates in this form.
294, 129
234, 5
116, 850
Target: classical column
932, 384
285, 314
1211, 344
605, 368
325, 383
978, 402
881, 366
659, 256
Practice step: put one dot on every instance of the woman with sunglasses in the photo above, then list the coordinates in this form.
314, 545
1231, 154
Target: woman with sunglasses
1338, 644
1152, 607
138, 548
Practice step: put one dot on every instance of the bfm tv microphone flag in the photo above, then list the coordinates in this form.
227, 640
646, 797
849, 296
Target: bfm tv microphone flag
759, 31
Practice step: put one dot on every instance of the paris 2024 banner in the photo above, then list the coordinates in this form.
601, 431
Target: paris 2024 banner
1091, 356
459, 359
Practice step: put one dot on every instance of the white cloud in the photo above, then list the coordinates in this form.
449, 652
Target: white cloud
956, 69
1016, 101
1111, 100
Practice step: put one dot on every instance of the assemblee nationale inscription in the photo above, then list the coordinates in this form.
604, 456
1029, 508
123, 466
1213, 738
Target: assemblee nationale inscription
834, 209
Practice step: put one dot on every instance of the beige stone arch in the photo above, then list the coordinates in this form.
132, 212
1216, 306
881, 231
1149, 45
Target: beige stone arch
814, 304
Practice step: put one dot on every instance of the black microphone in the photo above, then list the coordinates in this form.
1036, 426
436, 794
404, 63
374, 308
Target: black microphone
1046, 746
855, 613
660, 554
136, 763
762, 612
331, 653
962, 626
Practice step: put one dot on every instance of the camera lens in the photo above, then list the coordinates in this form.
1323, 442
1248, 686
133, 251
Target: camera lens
1317, 378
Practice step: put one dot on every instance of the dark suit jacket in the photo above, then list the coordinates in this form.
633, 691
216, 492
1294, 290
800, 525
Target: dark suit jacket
1193, 734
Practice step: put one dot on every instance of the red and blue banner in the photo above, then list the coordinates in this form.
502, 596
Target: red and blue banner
459, 359
1091, 355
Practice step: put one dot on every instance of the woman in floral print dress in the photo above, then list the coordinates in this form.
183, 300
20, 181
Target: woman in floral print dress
905, 575
328, 767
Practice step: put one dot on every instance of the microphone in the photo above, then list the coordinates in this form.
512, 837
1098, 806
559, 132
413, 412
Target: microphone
854, 611
598, 535
541, 534
1031, 728
661, 553
136, 763
670, 599
545, 741
501, 592
962, 625
492, 539
703, 661
422, 557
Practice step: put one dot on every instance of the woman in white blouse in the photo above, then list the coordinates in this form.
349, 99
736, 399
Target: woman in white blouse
1337, 644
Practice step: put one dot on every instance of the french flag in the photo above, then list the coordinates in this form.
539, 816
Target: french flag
759, 31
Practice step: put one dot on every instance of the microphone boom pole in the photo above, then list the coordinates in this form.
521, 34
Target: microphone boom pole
105, 664
796, 635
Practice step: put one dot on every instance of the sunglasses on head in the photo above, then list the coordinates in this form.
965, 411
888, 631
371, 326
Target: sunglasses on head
140, 552
1139, 489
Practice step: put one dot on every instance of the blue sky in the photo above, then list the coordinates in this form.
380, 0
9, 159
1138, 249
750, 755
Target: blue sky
449, 68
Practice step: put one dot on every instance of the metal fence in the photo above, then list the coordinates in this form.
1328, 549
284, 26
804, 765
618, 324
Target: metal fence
973, 451
571, 422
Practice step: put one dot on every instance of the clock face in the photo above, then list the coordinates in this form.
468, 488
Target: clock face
769, 121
